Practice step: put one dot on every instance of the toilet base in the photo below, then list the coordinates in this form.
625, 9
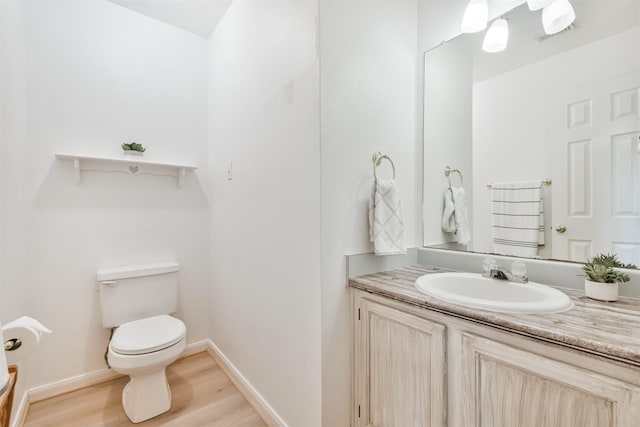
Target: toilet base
146, 396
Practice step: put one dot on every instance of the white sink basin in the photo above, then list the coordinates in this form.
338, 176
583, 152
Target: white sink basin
473, 290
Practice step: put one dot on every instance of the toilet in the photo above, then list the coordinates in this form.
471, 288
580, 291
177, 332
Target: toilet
137, 301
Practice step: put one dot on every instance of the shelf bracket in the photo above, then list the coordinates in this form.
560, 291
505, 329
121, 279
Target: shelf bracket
76, 170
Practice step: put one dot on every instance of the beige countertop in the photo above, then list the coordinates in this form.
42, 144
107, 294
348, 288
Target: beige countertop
609, 329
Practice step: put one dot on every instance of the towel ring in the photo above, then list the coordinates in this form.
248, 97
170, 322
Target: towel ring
448, 171
378, 157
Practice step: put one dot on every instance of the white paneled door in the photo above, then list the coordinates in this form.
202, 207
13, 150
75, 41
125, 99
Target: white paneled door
596, 171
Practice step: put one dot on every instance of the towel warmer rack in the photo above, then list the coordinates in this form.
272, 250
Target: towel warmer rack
378, 157
546, 182
448, 171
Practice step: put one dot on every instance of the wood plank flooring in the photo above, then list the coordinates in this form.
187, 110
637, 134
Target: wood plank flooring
202, 396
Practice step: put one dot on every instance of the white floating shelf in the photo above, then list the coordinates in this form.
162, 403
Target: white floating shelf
130, 164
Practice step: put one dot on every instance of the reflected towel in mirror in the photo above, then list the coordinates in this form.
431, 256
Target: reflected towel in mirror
454, 217
517, 215
448, 217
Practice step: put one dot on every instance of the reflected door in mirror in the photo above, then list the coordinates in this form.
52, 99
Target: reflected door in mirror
596, 170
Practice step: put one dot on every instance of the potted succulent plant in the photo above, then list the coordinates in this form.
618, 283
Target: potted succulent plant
601, 278
133, 149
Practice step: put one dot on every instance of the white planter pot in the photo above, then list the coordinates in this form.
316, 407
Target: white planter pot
601, 291
132, 153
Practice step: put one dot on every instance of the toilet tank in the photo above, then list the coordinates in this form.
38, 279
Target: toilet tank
137, 291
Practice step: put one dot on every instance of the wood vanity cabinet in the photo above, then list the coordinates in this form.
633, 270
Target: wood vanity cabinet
415, 367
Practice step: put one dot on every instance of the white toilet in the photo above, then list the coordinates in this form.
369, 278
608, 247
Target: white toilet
137, 301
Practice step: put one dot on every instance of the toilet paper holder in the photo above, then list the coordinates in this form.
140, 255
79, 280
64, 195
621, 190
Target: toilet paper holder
12, 344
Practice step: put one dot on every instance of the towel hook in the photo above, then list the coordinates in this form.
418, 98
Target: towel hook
378, 157
448, 171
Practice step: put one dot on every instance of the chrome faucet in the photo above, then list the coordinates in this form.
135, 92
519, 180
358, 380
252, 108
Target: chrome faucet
517, 273
504, 274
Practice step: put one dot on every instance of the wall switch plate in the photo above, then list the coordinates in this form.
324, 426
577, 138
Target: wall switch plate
229, 171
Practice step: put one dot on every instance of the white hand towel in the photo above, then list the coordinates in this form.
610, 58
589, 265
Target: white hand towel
448, 215
517, 218
386, 224
463, 232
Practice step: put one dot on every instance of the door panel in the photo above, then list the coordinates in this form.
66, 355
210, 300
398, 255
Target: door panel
509, 387
401, 372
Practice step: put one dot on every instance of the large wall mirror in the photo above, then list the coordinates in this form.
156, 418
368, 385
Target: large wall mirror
562, 111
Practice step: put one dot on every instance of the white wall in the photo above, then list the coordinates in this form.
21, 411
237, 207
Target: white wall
265, 237
368, 103
438, 20
95, 75
13, 221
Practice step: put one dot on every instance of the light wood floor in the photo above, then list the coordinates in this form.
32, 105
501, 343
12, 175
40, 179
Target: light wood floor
202, 396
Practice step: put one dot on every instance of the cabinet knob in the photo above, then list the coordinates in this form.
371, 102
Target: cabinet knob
561, 228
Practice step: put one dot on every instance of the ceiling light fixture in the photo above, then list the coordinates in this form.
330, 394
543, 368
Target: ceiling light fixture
497, 36
557, 16
537, 4
475, 16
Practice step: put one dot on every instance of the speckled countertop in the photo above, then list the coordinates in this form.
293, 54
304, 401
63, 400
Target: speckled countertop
610, 329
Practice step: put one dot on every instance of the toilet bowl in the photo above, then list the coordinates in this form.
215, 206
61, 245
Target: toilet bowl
143, 349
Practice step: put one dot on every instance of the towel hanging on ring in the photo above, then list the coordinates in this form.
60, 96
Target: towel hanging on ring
386, 223
454, 216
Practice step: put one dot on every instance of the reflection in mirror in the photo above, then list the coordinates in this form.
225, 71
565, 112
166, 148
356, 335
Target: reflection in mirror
561, 110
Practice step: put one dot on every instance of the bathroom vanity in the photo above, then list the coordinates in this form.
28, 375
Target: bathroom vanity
419, 361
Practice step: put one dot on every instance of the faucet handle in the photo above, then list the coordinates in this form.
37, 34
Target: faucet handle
518, 269
489, 264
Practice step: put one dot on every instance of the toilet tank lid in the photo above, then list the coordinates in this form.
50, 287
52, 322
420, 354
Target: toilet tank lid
132, 271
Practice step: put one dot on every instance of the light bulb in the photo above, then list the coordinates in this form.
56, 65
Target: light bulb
497, 36
537, 4
475, 16
557, 16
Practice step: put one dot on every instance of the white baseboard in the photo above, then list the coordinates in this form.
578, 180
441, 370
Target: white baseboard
46, 391
266, 412
57, 388
195, 348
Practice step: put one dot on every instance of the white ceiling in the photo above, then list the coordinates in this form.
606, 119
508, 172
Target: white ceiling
196, 16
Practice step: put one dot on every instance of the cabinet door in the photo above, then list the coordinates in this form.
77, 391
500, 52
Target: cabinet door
506, 386
399, 368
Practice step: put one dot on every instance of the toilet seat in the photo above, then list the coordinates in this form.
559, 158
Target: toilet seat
147, 335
